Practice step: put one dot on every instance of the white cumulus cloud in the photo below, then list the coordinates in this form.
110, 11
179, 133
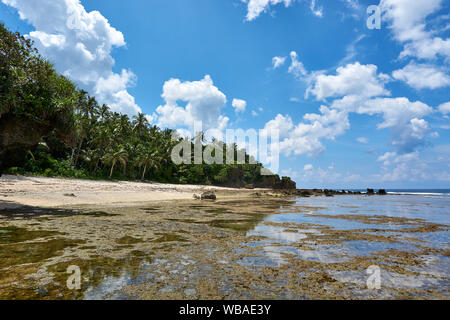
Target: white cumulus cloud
256, 7
362, 140
403, 117
403, 167
315, 9
422, 76
444, 108
357, 89
79, 44
283, 124
408, 21
239, 105
296, 68
353, 79
278, 62
204, 102
306, 137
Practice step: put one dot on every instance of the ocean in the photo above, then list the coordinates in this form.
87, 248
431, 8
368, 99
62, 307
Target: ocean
395, 246
423, 192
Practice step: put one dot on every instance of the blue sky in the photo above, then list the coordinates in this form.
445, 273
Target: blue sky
376, 101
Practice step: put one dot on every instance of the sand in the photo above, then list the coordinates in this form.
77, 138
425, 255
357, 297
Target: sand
17, 191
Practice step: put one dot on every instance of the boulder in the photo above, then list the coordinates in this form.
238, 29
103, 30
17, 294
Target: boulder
382, 192
208, 196
305, 193
370, 192
69, 195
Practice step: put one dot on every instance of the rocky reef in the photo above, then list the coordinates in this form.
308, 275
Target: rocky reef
327, 192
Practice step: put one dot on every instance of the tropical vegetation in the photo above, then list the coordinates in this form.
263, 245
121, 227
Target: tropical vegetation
50, 127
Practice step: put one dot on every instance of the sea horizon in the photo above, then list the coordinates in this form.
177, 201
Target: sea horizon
418, 191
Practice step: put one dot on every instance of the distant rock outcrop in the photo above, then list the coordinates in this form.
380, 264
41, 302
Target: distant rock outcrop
285, 184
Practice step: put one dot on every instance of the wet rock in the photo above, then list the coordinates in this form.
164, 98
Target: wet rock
69, 195
249, 186
196, 197
190, 292
370, 192
208, 196
285, 184
382, 192
42, 291
167, 289
305, 193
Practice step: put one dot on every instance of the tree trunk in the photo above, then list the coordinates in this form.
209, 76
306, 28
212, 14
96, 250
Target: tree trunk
143, 173
96, 165
78, 152
71, 157
112, 169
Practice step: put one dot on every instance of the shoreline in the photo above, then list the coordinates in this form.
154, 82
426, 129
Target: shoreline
45, 192
161, 249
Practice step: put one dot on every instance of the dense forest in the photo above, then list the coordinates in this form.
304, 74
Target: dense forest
50, 127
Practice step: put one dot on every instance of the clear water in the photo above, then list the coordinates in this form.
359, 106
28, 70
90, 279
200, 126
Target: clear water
318, 241
294, 222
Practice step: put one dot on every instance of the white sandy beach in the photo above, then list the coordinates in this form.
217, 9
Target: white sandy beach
16, 191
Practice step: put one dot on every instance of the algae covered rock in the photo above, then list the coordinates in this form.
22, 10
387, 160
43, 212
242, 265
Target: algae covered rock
208, 196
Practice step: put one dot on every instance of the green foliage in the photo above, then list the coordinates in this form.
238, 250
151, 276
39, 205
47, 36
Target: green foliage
29, 85
103, 143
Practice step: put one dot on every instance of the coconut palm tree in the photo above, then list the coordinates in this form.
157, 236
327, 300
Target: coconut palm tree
147, 159
114, 156
140, 125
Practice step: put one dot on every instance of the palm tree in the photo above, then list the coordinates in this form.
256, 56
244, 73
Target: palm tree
140, 124
147, 160
104, 111
113, 157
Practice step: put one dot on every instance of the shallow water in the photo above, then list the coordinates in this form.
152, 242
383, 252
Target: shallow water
303, 248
